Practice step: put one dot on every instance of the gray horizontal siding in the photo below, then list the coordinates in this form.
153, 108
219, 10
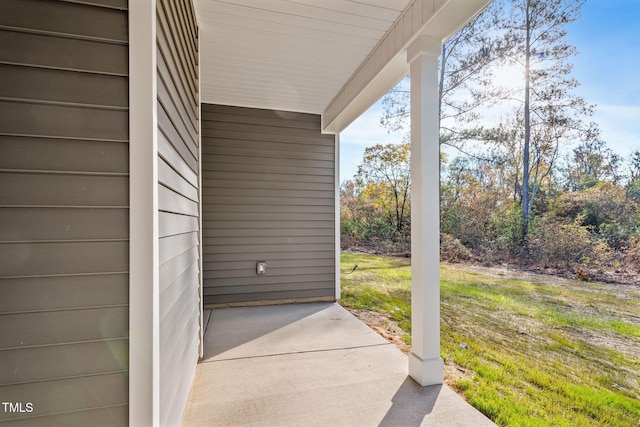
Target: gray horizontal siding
52, 51
64, 401
64, 197
178, 203
53, 121
44, 258
244, 265
64, 326
275, 208
268, 195
251, 255
63, 155
102, 417
58, 86
62, 224
317, 166
283, 153
286, 294
58, 362
67, 19
277, 142
52, 188
252, 224
274, 177
53, 293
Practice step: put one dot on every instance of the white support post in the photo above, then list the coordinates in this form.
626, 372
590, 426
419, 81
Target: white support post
336, 165
144, 343
425, 364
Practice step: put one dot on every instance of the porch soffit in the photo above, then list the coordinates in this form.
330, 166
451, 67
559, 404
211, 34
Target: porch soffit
329, 57
292, 55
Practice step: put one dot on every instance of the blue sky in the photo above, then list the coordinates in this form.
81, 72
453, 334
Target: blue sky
607, 37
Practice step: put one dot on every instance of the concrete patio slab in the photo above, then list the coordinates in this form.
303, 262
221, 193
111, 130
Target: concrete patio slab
268, 330
311, 365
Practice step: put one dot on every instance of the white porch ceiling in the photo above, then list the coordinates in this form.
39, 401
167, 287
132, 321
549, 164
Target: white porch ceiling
292, 55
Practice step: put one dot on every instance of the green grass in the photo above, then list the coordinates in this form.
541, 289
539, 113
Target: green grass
542, 351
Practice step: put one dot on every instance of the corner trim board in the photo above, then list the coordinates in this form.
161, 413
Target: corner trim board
144, 341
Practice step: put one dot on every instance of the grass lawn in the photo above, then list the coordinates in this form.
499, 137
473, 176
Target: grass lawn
540, 351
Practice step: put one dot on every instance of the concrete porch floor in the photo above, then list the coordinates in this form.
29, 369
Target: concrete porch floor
310, 365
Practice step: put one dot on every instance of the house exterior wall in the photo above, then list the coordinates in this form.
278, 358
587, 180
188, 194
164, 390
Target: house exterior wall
268, 195
64, 212
178, 204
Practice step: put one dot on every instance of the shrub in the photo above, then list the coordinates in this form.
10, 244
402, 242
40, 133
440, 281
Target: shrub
452, 250
633, 252
507, 228
555, 243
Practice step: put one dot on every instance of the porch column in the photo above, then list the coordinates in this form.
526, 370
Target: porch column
425, 364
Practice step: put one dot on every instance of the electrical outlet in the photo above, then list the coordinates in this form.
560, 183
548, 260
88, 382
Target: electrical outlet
261, 268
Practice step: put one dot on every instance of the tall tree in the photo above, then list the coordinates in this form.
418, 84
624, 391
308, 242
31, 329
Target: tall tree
552, 113
466, 86
524, 40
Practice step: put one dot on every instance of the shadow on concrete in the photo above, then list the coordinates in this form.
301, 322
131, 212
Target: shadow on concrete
411, 404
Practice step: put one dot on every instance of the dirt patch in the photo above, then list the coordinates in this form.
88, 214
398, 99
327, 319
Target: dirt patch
388, 329
620, 289
618, 276
601, 275
385, 327
453, 373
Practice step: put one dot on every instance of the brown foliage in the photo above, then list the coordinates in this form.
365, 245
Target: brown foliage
452, 250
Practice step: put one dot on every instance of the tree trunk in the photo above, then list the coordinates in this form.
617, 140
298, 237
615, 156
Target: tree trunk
527, 133
443, 63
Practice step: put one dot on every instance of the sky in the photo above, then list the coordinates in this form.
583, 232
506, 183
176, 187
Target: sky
607, 37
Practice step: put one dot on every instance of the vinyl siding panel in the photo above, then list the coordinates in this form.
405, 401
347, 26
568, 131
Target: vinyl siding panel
63, 155
178, 204
58, 401
48, 120
61, 327
63, 224
53, 293
64, 197
273, 153
25, 259
60, 189
277, 142
252, 255
238, 297
68, 19
277, 178
51, 51
268, 195
54, 363
170, 224
58, 86
107, 417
